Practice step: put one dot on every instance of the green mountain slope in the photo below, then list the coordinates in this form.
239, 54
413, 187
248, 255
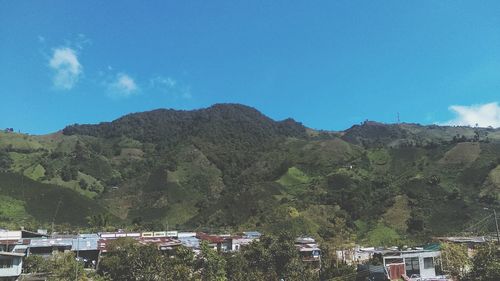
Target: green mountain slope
25, 202
230, 167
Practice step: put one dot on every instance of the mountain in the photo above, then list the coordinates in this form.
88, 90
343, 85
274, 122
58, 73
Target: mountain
230, 167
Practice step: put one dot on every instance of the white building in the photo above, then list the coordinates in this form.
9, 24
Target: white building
416, 264
11, 265
238, 242
356, 255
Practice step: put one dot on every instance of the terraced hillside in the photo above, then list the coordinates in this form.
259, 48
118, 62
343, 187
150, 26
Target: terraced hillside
230, 167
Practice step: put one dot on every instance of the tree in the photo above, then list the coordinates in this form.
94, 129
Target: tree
80, 152
285, 255
237, 267
83, 184
455, 260
115, 264
181, 265
35, 264
212, 265
332, 267
69, 172
5, 161
64, 266
128, 260
61, 266
259, 259
486, 264
273, 258
99, 221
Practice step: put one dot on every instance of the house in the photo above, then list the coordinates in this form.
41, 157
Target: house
11, 265
46, 246
308, 249
238, 242
185, 234
252, 234
11, 262
85, 247
190, 242
160, 240
221, 243
165, 244
418, 264
356, 255
8, 240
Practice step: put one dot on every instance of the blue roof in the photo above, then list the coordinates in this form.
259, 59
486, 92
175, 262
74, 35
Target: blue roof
190, 242
76, 243
252, 234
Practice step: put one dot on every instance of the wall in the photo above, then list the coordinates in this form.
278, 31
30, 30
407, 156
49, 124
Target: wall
12, 271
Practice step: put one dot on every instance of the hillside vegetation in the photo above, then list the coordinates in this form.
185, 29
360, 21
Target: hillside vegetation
229, 167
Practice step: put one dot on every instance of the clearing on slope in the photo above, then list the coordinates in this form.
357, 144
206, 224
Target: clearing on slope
463, 153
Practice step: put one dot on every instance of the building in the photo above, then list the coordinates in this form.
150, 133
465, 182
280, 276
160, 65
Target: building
190, 242
220, 243
161, 240
238, 242
308, 249
11, 265
252, 234
9, 239
356, 255
417, 264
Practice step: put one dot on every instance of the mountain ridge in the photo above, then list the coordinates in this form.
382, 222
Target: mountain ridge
230, 166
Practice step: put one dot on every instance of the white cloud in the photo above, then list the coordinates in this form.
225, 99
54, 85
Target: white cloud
170, 86
483, 115
123, 86
80, 41
67, 68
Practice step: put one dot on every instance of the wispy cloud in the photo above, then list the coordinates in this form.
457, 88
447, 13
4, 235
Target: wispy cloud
80, 41
67, 69
170, 86
122, 86
482, 115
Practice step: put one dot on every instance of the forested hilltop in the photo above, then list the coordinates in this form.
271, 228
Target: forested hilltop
229, 167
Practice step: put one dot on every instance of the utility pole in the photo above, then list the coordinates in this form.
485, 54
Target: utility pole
55, 215
496, 224
77, 255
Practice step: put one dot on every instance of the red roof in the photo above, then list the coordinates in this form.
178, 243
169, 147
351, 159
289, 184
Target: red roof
215, 239
159, 241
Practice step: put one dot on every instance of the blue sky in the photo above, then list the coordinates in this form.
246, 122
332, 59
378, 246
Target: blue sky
328, 64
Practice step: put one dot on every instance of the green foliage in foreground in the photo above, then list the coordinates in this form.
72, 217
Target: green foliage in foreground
272, 258
486, 264
60, 266
454, 260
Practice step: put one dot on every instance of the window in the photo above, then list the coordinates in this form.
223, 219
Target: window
428, 263
5, 263
412, 266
